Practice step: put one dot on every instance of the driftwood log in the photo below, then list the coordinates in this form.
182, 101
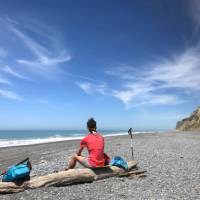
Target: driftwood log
65, 178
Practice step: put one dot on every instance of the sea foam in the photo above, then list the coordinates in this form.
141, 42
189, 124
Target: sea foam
55, 138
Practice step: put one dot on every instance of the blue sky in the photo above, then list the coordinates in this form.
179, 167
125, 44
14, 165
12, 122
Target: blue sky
126, 63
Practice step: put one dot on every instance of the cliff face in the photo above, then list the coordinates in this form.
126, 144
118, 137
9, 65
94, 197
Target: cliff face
191, 123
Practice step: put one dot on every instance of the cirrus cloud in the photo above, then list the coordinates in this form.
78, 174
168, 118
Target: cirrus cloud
43, 56
10, 95
167, 81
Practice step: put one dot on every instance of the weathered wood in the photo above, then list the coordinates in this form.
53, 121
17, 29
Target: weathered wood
134, 172
137, 172
62, 178
141, 175
6, 188
65, 178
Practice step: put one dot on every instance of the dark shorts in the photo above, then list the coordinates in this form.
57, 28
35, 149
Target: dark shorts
85, 163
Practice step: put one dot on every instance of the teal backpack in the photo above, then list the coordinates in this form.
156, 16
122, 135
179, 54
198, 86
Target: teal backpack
119, 162
20, 171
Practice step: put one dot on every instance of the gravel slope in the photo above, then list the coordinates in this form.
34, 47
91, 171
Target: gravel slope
172, 161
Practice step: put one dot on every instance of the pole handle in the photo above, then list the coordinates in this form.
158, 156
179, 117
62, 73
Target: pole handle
130, 132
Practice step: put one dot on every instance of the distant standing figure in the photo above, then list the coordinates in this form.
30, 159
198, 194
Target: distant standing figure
94, 142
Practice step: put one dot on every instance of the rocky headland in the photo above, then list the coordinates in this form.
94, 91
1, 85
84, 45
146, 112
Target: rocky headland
192, 123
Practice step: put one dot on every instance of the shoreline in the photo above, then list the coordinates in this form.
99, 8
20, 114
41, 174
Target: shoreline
6, 143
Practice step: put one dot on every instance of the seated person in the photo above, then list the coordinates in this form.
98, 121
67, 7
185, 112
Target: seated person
94, 142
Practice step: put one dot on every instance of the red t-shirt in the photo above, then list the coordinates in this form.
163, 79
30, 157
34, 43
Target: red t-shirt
95, 147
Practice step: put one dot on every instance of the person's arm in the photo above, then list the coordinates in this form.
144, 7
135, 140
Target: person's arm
80, 151
83, 144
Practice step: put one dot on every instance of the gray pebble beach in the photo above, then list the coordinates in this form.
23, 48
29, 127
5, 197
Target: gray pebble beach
172, 161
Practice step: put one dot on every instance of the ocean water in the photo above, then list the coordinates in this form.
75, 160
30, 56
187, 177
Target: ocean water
28, 137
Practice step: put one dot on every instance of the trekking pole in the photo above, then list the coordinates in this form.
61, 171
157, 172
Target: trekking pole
130, 132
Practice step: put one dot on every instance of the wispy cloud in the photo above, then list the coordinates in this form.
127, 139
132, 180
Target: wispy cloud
44, 52
10, 94
10, 71
124, 72
130, 100
4, 81
165, 82
90, 88
47, 51
156, 86
181, 71
81, 77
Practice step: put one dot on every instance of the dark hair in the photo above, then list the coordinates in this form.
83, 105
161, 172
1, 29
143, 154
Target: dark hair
91, 124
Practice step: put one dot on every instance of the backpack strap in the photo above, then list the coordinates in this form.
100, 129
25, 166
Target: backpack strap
23, 161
